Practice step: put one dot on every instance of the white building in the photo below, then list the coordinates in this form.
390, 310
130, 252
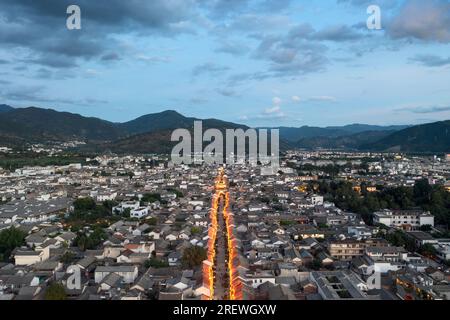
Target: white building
128, 273
132, 205
413, 218
139, 212
317, 200
443, 250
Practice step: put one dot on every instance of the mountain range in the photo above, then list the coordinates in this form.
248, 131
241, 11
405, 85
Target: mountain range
295, 134
151, 133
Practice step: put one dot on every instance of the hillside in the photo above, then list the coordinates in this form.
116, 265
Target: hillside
5, 108
158, 140
295, 134
348, 142
41, 125
431, 137
151, 133
157, 121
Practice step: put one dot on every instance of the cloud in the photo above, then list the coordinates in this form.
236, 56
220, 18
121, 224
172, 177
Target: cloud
338, 33
426, 110
296, 99
385, 4
272, 110
290, 56
198, 100
430, 60
323, 99
276, 101
35, 94
222, 9
275, 5
233, 48
227, 92
259, 22
39, 27
424, 20
153, 59
112, 56
209, 68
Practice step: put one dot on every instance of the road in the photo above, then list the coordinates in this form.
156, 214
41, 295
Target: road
221, 291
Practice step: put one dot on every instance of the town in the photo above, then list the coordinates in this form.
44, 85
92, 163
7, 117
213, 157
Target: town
321, 226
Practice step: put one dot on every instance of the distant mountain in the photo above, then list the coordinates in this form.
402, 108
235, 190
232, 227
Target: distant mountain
41, 125
151, 133
157, 121
5, 108
295, 134
170, 120
358, 128
348, 142
158, 136
38, 125
431, 137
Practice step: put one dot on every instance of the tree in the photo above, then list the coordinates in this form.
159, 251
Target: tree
84, 204
155, 263
151, 197
427, 250
193, 257
55, 291
422, 191
152, 221
9, 240
195, 230
85, 242
68, 257
425, 228
287, 223
316, 264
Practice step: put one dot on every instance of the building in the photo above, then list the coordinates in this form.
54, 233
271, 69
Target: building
30, 257
126, 205
443, 250
404, 218
139, 212
337, 285
421, 238
128, 273
346, 249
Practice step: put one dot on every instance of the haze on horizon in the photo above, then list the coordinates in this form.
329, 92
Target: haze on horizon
256, 62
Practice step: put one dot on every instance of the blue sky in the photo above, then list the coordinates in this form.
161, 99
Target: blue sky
258, 62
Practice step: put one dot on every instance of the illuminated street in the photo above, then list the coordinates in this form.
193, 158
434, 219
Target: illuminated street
220, 271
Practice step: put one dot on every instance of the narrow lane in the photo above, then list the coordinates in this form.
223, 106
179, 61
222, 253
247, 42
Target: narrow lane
219, 270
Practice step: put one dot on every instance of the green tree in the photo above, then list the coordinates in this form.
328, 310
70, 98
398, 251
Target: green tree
84, 204
195, 230
427, 250
155, 263
193, 257
68, 257
55, 291
152, 221
85, 242
9, 240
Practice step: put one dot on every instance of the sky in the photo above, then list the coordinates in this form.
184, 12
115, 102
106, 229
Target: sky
256, 62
